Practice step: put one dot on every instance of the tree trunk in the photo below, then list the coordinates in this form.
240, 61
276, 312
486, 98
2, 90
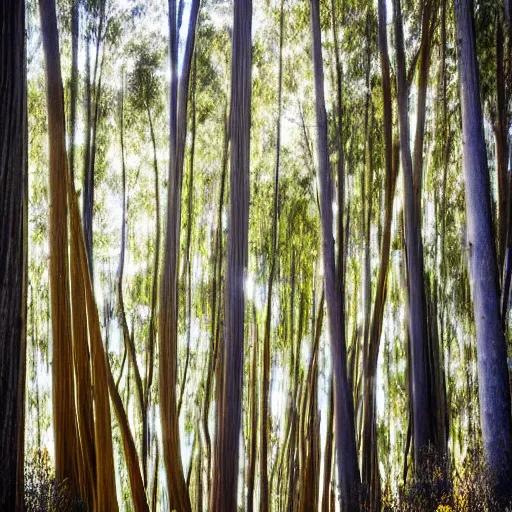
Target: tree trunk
64, 411
153, 314
369, 437
251, 474
369, 453
73, 86
310, 468
129, 342
140, 502
187, 267
215, 312
13, 251
345, 435
493, 383
265, 381
424, 66
414, 257
93, 96
225, 478
328, 453
168, 319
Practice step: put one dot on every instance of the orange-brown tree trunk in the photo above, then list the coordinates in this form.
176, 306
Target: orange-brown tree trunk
67, 450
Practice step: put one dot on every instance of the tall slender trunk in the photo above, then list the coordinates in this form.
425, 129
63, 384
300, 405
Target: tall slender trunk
225, 477
310, 468
428, 19
341, 154
369, 452
369, 438
251, 474
150, 354
73, 86
294, 421
264, 434
13, 251
129, 342
345, 434
93, 97
493, 382
168, 318
328, 452
215, 311
64, 410
366, 195
139, 498
63, 195
187, 267
81, 353
414, 256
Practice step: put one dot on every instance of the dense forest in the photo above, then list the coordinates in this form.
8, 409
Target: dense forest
255, 255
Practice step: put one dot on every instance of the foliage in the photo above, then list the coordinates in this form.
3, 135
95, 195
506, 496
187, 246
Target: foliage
42, 492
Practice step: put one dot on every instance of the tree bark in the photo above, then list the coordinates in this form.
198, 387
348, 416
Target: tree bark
73, 86
493, 383
253, 445
187, 267
215, 311
13, 251
168, 319
154, 298
265, 381
64, 411
414, 257
310, 468
139, 498
328, 453
370, 467
93, 97
348, 470
225, 478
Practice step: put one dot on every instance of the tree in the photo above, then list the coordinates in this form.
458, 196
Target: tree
83, 317
348, 471
64, 409
229, 409
168, 317
414, 256
494, 390
13, 252
264, 499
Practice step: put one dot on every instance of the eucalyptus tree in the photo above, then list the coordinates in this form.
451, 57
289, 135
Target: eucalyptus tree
94, 479
64, 408
13, 251
264, 487
168, 314
423, 434
229, 407
493, 379
98, 20
348, 470
370, 459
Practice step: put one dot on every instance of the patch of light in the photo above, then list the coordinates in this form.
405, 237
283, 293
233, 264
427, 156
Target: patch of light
249, 286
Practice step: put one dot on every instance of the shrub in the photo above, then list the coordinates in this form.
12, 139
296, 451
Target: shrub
42, 492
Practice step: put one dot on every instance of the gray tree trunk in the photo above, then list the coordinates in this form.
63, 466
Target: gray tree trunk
491, 351
348, 470
414, 248
225, 476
